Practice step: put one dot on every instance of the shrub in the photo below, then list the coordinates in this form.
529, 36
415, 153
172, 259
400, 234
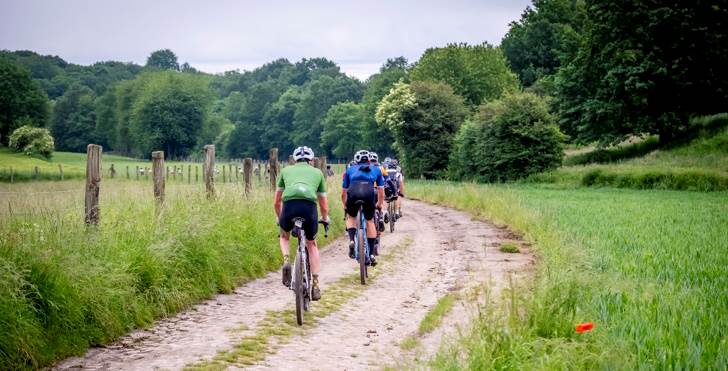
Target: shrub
511, 138
32, 141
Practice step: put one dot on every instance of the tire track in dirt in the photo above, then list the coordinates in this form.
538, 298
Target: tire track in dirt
449, 252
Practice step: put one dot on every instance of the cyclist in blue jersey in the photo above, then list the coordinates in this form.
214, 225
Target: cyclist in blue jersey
359, 185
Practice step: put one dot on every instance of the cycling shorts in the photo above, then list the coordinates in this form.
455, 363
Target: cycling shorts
361, 191
300, 209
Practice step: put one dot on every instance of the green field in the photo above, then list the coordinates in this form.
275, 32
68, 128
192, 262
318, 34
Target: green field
65, 287
649, 268
74, 166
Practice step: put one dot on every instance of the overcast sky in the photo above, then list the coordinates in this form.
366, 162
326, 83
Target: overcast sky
216, 36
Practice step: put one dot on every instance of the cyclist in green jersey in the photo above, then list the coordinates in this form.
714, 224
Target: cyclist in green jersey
299, 187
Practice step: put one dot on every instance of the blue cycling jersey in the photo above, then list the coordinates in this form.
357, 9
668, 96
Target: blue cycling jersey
355, 174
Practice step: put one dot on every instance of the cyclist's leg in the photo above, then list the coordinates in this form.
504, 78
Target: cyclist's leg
286, 224
368, 208
351, 211
310, 227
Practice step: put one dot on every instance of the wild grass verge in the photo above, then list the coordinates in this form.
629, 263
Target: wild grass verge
647, 267
65, 286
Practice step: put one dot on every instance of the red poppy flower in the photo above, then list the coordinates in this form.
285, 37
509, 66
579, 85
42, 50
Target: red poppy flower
584, 327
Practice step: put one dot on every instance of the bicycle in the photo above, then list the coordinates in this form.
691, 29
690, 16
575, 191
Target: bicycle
361, 246
392, 212
301, 282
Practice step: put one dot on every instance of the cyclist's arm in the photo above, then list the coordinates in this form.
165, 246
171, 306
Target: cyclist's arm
380, 189
278, 199
323, 206
323, 201
277, 202
344, 187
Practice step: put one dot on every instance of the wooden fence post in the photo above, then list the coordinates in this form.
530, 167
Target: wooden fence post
174, 172
197, 168
60, 170
93, 183
127, 171
167, 171
189, 173
317, 163
230, 171
112, 171
237, 173
260, 173
209, 170
137, 173
273, 161
158, 176
36, 173
12, 175
323, 164
247, 175
146, 173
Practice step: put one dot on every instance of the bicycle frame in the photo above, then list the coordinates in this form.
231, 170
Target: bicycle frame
363, 226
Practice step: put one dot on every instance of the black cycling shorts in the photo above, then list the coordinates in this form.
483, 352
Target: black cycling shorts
361, 191
300, 209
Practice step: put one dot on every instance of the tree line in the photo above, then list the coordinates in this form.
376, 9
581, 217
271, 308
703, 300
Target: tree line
567, 70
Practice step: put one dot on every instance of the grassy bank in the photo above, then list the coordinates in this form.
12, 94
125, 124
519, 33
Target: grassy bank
65, 287
700, 165
649, 268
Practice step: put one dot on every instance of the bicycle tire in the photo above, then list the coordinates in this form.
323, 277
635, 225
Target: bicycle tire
361, 250
392, 217
309, 285
298, 288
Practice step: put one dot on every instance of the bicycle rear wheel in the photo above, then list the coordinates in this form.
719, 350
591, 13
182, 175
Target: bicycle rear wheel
298, 288
392, 216
361, 250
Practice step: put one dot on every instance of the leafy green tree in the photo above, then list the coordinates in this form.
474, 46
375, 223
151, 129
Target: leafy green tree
343, 129
475, 72
546, 36
511, 138
169, 113
317, 97
379, 138
20, 98
247, 111
645, 67
163, 59
424, 117
105, 109
279, 118
74, 119
32, 141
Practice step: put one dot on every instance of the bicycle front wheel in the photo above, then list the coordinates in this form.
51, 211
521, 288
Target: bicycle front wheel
298, 288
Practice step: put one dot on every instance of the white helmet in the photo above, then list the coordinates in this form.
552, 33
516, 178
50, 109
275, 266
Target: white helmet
387, 160
304, 153
362, 155
373, 157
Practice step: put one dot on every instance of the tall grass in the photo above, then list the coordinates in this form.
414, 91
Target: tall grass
649, 268
65, 287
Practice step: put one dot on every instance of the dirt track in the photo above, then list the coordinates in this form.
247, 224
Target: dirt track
438, 250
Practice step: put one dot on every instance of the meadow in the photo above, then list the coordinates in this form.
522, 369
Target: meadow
74, 166
65, 286
648, 268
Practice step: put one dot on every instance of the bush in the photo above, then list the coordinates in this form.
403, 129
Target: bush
32, 141
510, 139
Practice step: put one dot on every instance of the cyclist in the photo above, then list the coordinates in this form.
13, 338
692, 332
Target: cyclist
299, 187
395, 175
359, 185
375, 162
